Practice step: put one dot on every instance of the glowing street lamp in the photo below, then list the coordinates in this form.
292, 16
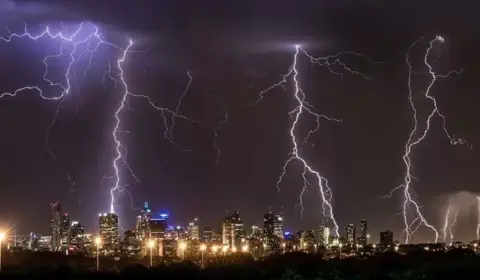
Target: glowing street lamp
396, 248
245, 248
315, 246
340, 246
98, 243
2, 237
224, 250
284, 245
203, 247
475, 247
234, 249
151, 244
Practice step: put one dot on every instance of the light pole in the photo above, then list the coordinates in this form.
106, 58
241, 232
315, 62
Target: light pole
340, 246
245, 248
374, 248
224, 250
474, 246
98, 242
234, 249
315, 246
284, 245
214, 250
264, 249
202, 249
151, 244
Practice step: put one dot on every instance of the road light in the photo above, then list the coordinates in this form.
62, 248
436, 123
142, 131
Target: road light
2, 237
98, 242
234, 249
340, 246
396, 248
475, 246
315, 246
151, 244
245, 248
224, 250
284, 245
203, 247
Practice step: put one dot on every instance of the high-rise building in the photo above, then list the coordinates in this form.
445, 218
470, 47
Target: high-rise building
193, 230
363, 232
386, 238
233, 231
207, 234
273, 225
273, 232
326, 235
320, 234
158, 226
76, 234
65, 230
143, 223
109, 232
350, 234
55, 226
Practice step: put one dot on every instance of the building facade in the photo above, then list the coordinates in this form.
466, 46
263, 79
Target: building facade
350, 234
233, 231
109, 232
386, 238
55, 226
193, 230
363, 232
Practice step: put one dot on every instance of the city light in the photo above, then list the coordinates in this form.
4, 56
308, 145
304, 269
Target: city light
98, 240
245, 248
203, 247
214, 248
183, 246
151, 243
2, 236
234, 249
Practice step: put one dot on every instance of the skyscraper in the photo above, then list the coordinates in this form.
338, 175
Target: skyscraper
76, 234
273, 225
320, 234
350, 234
233, 231
193, 230
326, 235
143, 223
273, 231
386, 238
207, 234
363, 232
55, 226
158, 227
109, 232
65, 230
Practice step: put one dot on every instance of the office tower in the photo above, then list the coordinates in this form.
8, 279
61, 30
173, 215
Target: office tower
158, 227
273, 232
207, 234
320, 234
350, 234
386, 238
363, 232
326, 235
193, 230
55, 226
76, 234
143, 223
109, 232
233, 231
273, 225
65, 230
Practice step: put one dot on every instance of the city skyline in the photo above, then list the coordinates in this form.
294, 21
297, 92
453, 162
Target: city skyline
223, 140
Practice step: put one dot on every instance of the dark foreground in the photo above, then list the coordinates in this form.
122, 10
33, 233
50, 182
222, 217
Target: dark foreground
423, 265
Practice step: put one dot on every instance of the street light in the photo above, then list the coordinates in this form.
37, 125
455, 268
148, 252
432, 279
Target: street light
284, 245
224, 250
340, 246
234, 249
183, 246
203, 247
151, 244
98, 242
2, 237
245, 248
396, 248
475, 246
315, 246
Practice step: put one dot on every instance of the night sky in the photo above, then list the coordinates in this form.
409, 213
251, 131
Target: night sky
234, 50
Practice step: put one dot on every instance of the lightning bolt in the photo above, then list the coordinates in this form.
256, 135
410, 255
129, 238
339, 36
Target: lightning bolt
452, 225
445, 224
304, 108
417, 135
217, 129
93, 40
